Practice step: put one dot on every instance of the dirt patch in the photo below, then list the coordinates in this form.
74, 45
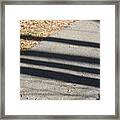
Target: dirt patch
39, 28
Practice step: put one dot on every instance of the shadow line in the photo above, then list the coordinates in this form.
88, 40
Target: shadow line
59, 65
61, 76
61, 40
61, 56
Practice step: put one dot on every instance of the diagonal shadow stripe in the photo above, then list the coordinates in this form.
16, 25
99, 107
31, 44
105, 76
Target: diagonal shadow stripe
61, 40
61, 76
59, 65
72, 42
61, 56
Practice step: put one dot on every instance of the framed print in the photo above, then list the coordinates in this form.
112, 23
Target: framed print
60, 59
